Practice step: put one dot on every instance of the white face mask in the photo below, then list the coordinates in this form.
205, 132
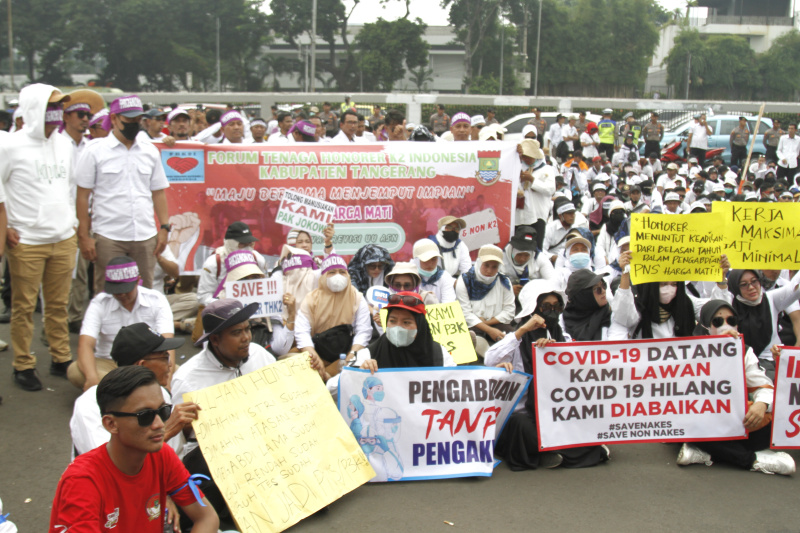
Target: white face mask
725, 328
337, 283
667, 293
401, 337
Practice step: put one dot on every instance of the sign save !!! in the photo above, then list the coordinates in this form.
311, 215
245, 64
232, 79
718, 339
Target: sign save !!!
651, 390
267, 293
275, 445
786, 409
428, 423
304, 212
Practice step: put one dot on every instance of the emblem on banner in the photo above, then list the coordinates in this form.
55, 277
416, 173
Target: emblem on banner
488, 166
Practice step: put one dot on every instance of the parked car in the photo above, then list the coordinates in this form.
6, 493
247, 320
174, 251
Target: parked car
515, 124
721, 125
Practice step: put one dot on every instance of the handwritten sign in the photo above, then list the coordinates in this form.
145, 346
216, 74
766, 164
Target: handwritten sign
448, 328
275, 445
304, 212
424, 423
653, 390
268, 293
760, 235
676, 247
482, 228
786, 410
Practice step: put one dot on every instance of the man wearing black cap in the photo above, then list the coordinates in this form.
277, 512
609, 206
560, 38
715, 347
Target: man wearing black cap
137, 344
237, 237
124, 302
152, 124
522, 260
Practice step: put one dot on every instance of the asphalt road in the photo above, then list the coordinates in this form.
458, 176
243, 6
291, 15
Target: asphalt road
640, 489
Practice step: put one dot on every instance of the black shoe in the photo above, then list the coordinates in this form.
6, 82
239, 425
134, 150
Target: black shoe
59, 369
27, 379
550, 460
5, 316
74, 327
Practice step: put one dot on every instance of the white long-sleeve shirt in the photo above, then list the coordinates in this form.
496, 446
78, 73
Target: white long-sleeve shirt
443, 289
454, 264
362, 327
498, 303
538, 197
209, 280
556, 136
787, 151
779, 300
555, 232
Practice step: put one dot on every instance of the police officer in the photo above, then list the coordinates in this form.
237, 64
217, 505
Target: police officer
440, 121
653, 132
631, 126
607, 131
771, 139
739, 137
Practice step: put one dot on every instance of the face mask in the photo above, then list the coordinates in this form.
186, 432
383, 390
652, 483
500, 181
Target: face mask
725, 328
617, 215
728, 191
379, 395
579, 260
337, 283
550, 319
647, 192
401, 337
667, 293
129, 130
767, 283
450, 236
426, 273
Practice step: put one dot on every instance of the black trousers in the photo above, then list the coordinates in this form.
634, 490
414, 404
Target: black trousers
700, 154
738, 156
607, 149
741, 453
772, 154
652, 146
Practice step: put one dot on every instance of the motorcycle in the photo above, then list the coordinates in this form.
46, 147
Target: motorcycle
671, 152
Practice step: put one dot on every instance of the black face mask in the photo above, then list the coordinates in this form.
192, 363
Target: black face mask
450, 236
647, 192
617, 215
767, 283
550, 319
129, 130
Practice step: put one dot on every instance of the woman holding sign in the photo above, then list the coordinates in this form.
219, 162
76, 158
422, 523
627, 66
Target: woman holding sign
717, 317
519, 444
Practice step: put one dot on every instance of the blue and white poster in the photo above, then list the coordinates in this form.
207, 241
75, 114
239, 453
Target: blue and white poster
421, 423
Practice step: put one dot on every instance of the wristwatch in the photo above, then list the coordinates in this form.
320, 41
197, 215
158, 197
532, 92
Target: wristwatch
166, 227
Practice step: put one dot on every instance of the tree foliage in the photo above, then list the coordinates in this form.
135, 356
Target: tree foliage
780, 67
387, 49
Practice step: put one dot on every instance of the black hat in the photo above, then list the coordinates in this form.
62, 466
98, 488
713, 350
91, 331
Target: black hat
524, 239
122, 275
222, 314
136, 341
155, 112
239, 231
582, 279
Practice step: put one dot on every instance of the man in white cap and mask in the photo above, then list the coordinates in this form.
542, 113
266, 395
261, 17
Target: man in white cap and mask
537, 186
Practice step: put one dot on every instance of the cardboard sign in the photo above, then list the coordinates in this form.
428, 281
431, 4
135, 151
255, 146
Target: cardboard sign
423, 423
760, 235
275, 445
786, 409
482, 228
652, 390
268, 293
304, 212
676, 247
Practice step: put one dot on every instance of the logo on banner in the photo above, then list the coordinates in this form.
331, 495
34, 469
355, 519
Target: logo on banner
183, 166
488, 166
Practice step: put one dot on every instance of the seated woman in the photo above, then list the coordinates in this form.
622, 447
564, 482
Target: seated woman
334, 318
577, 255
719, 318
453, 251
486, 298
605, 238
406, 343
267, 332
518, 444
523, 261
758, 310
434, 278
658, 310
587, 315
369, 266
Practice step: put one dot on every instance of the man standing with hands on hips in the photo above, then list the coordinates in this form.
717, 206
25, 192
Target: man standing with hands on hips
128, 183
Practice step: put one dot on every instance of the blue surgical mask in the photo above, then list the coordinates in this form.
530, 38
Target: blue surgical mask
728, 190
378, 395
579, 260
427, 273
401, 337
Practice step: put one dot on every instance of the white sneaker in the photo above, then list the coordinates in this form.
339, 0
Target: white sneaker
607, 450
772, 462
3, 345
691, 455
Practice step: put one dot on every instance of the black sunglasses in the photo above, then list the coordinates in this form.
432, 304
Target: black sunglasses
717, 321
146, 416
405, 299
84, 114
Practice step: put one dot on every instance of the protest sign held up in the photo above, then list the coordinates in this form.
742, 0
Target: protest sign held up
306, 213
786, 409
654, 390
275, 445
421, 423
267, 293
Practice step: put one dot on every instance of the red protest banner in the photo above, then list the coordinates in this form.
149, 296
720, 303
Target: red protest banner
391, 194
786, 409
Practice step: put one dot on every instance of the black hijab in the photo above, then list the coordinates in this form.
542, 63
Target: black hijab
584, 320
755, 321
423, 352
647, 303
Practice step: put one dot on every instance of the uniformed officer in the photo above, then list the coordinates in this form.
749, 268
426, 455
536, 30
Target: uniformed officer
607, 131
439, 121
771, 139
739, 137
653, 132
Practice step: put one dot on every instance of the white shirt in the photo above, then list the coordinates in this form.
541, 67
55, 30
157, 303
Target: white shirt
207, 135
556, 135
279, 138
569, 131
787, 150
123, 182
699, 136
209, 280
204, 370
498, 303
362, 327
86, 424
555, 232
537, 194
143, 136
589, 150
105, 317
443, 288
454, 262
341, 138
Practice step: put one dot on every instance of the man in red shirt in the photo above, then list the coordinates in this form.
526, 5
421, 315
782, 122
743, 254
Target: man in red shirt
122, 485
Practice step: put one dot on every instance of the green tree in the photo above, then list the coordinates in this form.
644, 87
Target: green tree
420, 78
386, 49
472, 20
780, 67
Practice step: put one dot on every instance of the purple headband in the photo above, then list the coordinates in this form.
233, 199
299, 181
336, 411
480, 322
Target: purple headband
239, 258
78, 107
258, 122
298, 261
100, 116
230, 116
461, 117
124, 273
332, 262
126, 104
306, 128
54, 115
